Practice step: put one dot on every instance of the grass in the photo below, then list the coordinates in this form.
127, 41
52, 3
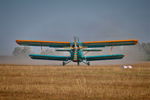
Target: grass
20, 82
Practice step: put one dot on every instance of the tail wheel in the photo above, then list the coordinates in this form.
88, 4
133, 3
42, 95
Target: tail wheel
78, 63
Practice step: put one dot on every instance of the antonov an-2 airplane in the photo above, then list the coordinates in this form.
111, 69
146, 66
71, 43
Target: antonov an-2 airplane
76, 50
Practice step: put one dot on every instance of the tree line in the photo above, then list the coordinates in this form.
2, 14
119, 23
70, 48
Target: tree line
25, 51
146, 49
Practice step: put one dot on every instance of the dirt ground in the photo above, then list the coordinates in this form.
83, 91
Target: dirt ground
100, 82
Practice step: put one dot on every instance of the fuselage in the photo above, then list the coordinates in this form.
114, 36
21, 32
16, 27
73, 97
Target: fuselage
76, 52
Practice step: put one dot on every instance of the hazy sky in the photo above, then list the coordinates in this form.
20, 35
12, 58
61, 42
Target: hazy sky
60, 20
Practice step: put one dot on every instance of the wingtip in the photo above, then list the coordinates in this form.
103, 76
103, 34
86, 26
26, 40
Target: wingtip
135, 41
17, 41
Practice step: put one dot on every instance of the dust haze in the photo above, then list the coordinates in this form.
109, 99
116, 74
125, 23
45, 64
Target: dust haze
133, 54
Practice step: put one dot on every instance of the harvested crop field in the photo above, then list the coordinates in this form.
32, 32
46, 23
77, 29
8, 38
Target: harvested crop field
103, 82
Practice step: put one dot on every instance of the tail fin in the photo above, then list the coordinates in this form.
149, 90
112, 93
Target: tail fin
76, 39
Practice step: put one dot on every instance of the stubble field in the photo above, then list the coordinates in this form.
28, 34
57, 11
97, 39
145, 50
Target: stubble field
103, 82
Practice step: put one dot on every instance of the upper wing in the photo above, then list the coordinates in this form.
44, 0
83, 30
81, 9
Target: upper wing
43, 43
94, 44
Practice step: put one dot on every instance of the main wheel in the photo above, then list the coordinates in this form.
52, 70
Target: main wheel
88, 63
64, 63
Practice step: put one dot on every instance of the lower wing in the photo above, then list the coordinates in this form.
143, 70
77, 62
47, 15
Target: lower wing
104, 57
49, 57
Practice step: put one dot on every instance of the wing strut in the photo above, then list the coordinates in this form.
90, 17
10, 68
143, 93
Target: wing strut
41, 47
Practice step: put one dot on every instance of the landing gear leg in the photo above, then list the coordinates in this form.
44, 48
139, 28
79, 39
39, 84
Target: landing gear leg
86, 62
66, 62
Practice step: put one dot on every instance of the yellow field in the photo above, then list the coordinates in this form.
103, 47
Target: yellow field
20, 82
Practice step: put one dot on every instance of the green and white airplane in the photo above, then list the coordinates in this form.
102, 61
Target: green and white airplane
76, 50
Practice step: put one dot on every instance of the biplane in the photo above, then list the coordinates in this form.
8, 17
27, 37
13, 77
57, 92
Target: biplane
77, 50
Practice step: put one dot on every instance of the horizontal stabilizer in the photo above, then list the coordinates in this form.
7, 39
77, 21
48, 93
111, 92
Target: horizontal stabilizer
104, 57
49, 57
92, 50
63, 50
